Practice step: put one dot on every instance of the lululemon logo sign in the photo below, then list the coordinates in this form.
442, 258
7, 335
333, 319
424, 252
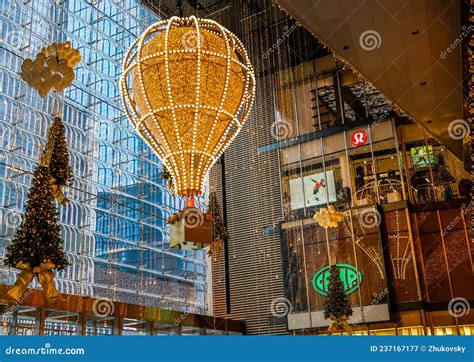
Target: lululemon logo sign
359, 138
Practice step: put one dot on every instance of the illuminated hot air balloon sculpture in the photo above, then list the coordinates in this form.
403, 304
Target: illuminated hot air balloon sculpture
188, 87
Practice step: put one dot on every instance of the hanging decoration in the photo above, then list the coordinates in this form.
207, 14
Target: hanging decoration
53, 67
187, 87
45, 278
56, 158
36, 248
328, 217
387, 190
337, 307
219, 230
402, 254
362, 219
190, 229
165, 175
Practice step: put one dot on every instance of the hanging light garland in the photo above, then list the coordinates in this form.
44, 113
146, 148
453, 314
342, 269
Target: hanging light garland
187, 87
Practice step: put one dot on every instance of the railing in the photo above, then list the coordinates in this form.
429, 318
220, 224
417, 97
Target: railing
78, 315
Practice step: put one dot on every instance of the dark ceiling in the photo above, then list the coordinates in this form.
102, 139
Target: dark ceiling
265, 20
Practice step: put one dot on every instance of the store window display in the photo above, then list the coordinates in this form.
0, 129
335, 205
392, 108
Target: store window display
343, 174
435, 174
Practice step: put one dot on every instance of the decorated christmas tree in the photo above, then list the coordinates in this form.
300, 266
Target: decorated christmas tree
337, 306
38, 239
219, 230
60, 167
36, 247
337, 303
57, 157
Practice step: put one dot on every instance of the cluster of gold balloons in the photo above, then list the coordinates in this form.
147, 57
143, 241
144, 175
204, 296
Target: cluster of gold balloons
53, 67
328, 217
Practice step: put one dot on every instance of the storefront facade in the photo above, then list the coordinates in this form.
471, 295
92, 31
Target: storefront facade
403, 247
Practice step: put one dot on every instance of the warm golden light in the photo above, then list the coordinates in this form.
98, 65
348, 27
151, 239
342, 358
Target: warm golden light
188, 87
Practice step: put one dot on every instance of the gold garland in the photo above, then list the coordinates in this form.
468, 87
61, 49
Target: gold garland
56, 190
339, 324
215, 247
45, 278
166, 175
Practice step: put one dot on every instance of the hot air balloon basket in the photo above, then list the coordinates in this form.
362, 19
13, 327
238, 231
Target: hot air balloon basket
190, 229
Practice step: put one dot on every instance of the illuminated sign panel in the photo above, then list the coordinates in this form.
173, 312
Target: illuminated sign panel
359, 138
350, 277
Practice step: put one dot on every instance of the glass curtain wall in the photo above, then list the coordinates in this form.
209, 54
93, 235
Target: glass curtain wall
114, 226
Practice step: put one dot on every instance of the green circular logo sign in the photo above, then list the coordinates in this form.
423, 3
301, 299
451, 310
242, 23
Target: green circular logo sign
350, 277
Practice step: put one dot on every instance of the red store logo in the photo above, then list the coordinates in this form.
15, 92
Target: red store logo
359, 138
